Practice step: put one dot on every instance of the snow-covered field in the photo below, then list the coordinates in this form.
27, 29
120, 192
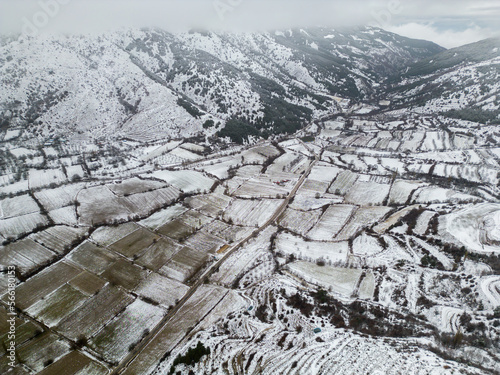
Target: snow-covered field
331, 222
476, 227
334, 252
187, 181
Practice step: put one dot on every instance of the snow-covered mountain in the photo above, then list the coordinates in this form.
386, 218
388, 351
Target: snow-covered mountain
147, 84
464, 81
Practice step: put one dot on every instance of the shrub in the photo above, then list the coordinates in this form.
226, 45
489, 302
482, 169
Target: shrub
192, 356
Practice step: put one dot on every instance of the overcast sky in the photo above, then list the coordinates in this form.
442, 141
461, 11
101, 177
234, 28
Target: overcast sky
447, 22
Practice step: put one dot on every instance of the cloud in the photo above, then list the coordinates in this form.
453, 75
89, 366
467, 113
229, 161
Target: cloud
447, 38
416, 18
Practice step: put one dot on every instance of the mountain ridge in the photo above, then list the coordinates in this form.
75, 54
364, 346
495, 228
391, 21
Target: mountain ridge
274, 82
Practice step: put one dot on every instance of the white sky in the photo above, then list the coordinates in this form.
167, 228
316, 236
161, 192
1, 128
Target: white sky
447, 22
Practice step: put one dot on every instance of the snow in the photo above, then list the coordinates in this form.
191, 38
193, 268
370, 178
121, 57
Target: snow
22, 205
490, 286
340, 280
186, 181
252, 212
332, 221
163, 290
473, 227
64, 215
11, 134
335, 252
163, 216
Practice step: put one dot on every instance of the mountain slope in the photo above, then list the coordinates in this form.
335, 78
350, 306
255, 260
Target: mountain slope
464, 81
148, 84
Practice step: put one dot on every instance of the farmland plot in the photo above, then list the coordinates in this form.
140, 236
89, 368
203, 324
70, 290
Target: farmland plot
231, 302
75, 170
476, 227
233, 184
113, 342
26, 255
59, 238
162, 290
363, 218
239, 263
298, 148
343, 183
155, 151
15, 187
262, 188
87, 283
184, 154
423, 222
176, 229
393, 165
421, 168
25, 331
144, 203
436, 194
324, 173
17, 206
340, 280
105, 236
100, 205
289, 163
75, 363
184, 264
229, 233
365, 245
19, 225
220, 169
354, 162
332, 221
186, 181
335, 252
134, 186
162, 217
125, 274
46, 346
251, 212
204, 242
401, 191
299, 221
158, 254
64, 216
92, 257
312, 188
435, 141
44, 283
249, 171
195, 219
304, 201
63, 196
211, 204
193, 147
44, 177
260, 154
393, 219
90, 317
132, 245
367, 286
367, 193
57, 305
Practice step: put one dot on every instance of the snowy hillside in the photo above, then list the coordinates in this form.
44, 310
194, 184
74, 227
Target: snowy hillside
150, 84
467, 77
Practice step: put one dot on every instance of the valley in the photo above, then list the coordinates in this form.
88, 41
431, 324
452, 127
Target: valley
356, 238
